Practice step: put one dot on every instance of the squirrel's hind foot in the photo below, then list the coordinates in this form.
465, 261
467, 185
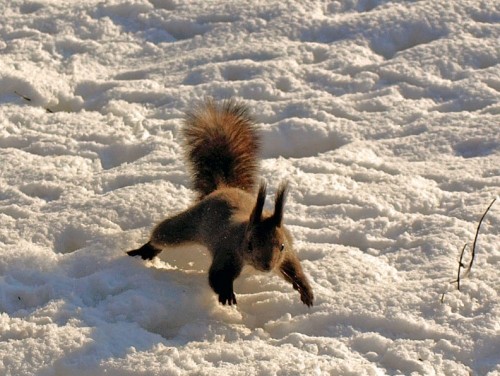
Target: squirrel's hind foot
147, 252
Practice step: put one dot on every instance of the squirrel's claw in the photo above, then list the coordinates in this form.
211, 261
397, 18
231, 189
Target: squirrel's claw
306, 297
228, 298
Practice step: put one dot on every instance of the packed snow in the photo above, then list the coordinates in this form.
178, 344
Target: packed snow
384, 116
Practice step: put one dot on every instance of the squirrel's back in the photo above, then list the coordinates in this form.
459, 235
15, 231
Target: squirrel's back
222, 146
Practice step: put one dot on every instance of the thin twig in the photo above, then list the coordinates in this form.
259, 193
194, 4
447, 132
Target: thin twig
460, 266
28, 99
475, 238
23, 96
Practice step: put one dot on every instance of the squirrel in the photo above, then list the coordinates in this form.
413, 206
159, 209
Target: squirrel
222, 146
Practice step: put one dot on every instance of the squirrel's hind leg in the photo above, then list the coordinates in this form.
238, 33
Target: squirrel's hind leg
180, 228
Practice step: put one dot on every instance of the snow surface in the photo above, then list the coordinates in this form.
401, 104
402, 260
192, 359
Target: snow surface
385, 118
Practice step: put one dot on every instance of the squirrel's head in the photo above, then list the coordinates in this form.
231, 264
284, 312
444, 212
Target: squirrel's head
265, 239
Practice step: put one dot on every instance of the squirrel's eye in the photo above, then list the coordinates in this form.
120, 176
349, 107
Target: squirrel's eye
250, 247
282, 247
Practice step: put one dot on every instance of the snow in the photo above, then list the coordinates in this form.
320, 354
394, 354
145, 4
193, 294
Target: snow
383, 116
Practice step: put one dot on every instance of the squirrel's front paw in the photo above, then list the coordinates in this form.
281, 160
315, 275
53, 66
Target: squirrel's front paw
227, 297
306, 296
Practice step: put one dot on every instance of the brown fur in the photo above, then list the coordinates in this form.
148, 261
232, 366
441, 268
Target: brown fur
222, 147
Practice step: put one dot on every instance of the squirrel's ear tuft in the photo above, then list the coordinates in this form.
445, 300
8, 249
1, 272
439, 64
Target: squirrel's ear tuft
279, 204
256, 215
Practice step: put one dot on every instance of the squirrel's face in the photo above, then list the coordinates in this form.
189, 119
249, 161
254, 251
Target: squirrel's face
265, 239
266, 246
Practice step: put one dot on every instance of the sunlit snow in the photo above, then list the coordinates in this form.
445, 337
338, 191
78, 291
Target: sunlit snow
384, 116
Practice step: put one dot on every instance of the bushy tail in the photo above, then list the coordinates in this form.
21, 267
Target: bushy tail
222, 146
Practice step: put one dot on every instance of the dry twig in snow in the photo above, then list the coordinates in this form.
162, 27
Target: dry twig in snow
460, 266
475, 238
